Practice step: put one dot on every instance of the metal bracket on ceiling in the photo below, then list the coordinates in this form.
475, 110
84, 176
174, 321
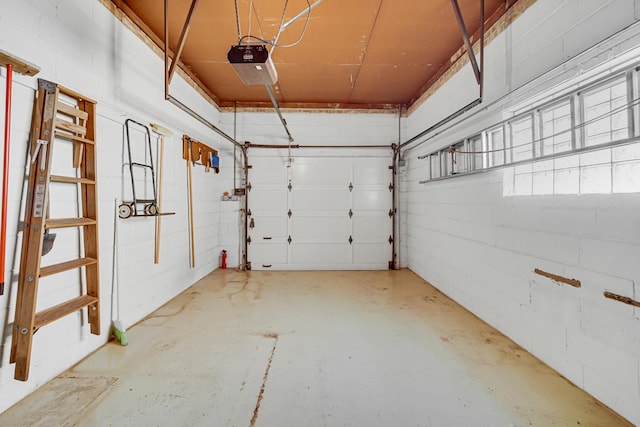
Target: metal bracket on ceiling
478, 71
169, 70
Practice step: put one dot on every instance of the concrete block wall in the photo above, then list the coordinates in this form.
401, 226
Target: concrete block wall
479, 237
81, 45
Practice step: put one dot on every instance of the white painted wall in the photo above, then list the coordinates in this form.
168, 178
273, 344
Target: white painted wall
81, 45
478, 239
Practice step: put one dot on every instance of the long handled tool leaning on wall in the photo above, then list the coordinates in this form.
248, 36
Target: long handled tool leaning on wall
196, 153
161, 132
18, 65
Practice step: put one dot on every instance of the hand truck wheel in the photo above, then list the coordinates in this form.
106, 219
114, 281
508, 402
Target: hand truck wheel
125, 210
151, 209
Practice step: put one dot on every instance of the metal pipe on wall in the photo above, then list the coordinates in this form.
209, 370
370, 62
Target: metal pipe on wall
5, 174
478, 72
167, 74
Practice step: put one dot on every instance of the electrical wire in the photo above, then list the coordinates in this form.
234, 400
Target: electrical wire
250, 38
238, 22
250, 9
284, 11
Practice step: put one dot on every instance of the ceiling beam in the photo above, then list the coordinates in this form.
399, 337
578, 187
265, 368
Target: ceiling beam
465, 37
183, 36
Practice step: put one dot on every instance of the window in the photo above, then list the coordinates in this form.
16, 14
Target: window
457, 158
495, 146
477, 152
556, 128
521, 139
605, 117
435, 165
581, 122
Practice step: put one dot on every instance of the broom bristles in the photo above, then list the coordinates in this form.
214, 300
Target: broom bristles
119, 332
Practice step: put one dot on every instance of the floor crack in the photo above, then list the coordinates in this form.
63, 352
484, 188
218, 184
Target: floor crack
264, 379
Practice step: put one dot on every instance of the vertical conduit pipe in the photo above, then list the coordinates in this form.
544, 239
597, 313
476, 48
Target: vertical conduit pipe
5, 174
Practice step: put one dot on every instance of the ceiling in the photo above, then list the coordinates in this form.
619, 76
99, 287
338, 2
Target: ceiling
354, 53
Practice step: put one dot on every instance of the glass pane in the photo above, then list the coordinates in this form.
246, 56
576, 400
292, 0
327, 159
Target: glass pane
522, 139
477, 152
605, 113
556, 128
435, 166
496, 147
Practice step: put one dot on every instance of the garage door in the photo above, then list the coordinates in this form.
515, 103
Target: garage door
320, 213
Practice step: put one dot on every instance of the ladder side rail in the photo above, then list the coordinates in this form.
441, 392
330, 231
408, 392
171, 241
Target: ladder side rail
30, 260
90, 210
36, 122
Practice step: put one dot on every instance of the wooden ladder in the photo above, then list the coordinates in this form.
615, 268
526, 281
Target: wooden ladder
59, 114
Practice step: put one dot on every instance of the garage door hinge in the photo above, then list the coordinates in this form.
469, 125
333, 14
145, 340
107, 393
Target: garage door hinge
289, 213
390, 186
249, 187
350, 213
289, 186
249, 212
350, 187
252, 223
350, 240
390, 240
390, 213
249, 240
289, 239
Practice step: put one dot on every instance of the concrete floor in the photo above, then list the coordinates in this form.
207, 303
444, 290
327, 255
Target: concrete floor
311, 349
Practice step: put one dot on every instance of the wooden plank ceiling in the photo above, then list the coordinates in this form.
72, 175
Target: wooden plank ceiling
354, 53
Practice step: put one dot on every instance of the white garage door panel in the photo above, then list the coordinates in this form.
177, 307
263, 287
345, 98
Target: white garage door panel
267, 170
373, 227
269, 226
321, 255
372, 200
267, 254
320, 200
372, 253
321, 229
372, 171
321, 171
268, 200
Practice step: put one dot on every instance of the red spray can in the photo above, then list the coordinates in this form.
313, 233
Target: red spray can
223, 263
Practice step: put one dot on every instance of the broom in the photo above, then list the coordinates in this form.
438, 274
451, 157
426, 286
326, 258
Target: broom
117, 329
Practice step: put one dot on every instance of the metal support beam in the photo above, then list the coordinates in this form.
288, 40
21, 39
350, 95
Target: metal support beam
286, 25
274, 101
478, 72
202, 120
298, 16
169, 72
467, 41
183, 36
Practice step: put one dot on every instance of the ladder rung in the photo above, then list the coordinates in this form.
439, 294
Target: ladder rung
145, 200
71, 179
71, 127
70, 110
74, 94
66, 266
54, 313
68, 222
73, 137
